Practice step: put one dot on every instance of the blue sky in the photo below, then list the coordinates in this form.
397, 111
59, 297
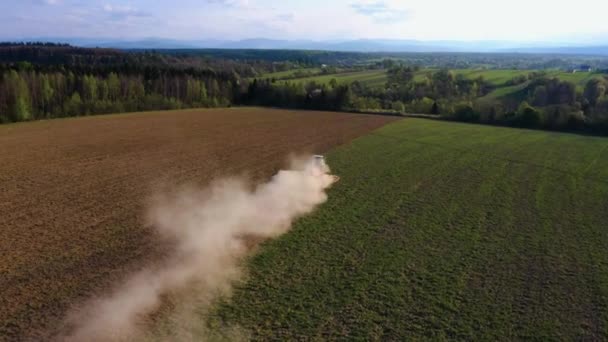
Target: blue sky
581, 21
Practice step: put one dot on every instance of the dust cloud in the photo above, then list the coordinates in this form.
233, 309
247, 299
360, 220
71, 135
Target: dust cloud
211, 231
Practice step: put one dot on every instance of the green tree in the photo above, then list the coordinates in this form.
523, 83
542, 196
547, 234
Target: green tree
398, 106
113, 87
73, 106
136, 90
435, 109
400, 75
421, 106
103, 90
20, 101
540, 96
214, 102
595, 89
203, 95
47, 93
214, 88
89, 87
466, 112
566, 93
443, 84
193, 91
21, 109
528, 116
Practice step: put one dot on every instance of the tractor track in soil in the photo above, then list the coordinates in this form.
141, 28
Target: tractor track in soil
73, 192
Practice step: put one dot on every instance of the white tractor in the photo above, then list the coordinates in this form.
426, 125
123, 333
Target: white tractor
318, 162
319, 167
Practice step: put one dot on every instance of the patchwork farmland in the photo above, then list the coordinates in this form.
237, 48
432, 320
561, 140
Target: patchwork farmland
436, 230
74, 192
378, 78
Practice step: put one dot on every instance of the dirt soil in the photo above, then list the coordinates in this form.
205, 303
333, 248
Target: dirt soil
73, 193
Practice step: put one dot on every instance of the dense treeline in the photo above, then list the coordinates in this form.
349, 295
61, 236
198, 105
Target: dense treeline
298, 95
30, 93
547, 103
450, 60
303, 58
45, 80
48, 54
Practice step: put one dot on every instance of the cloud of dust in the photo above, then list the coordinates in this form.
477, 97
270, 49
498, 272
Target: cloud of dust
211, 230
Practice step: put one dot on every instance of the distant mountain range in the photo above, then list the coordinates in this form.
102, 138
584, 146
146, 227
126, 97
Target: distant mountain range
361, 45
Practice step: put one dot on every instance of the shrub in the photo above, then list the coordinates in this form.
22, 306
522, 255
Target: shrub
435, 109
424, 106
489, 112
398, 106
528, 116
465, 112
517, 80
576, 120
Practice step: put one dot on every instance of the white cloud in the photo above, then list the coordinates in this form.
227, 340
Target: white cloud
380, 11
43, 2
124, 11
515, 20
231, 3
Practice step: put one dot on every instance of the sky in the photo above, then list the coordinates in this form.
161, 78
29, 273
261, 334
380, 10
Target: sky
580, 21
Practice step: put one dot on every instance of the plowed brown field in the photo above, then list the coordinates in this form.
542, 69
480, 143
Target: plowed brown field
72, 192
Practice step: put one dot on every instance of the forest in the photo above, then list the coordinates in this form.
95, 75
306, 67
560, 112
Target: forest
43, 81
451, 60
32, 93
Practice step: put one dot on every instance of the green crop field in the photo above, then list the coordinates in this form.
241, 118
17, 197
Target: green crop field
580, 78
289, 73
504, 91
378, 78
371, 78
499, 77
496, 77
442, 230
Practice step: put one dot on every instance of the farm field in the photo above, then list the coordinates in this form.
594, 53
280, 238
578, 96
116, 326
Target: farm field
372, 78
73, 192
497, 77
442, 230
289, 73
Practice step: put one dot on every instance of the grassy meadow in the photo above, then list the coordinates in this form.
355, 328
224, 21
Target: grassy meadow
289, 73
372, 78
441, 230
